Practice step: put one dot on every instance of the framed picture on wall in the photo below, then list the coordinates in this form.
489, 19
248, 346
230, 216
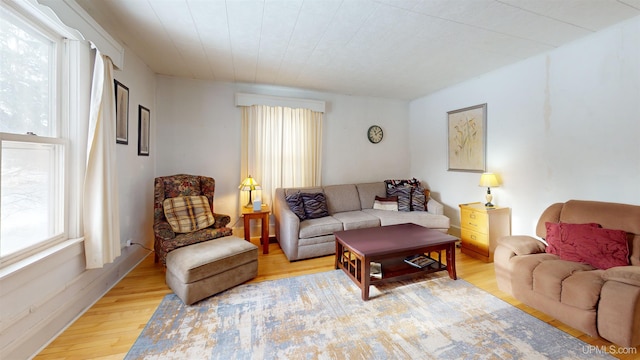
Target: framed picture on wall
122, 113
144, 122
468, 139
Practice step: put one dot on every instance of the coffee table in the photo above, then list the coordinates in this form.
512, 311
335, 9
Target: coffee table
389, 246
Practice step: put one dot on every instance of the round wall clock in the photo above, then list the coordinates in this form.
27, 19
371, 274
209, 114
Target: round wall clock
374, 134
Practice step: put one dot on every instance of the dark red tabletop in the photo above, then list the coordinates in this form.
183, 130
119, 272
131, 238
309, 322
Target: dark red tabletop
391, 239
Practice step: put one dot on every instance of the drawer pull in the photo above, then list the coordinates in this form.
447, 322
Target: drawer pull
472, 224
472, 215
473, 237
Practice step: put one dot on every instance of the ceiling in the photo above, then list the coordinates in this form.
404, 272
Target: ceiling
399, 49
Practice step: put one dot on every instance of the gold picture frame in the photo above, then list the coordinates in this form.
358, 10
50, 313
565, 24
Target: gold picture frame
467, 134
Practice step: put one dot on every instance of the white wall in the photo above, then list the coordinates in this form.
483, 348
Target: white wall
40, 300
199, 133
136, 173
564, 125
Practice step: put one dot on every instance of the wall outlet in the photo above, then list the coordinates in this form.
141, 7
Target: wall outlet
128, 243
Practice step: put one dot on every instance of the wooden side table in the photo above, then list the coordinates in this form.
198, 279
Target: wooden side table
263, 213
480, 228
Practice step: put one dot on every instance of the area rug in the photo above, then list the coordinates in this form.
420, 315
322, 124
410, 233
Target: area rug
322, 316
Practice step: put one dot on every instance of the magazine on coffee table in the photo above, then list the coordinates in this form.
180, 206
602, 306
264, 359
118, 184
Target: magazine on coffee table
420, 260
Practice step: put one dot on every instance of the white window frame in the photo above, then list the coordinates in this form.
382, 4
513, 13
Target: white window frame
69, 127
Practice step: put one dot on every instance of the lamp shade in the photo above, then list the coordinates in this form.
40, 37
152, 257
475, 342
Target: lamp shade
249, 184
489, 180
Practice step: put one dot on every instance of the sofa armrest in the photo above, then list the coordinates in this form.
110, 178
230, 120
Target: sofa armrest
434, 207
221, 220
522, 244
624, 274
163, 230
287, 226
619, 306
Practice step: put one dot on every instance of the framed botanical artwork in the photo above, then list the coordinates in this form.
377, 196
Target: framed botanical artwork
144, 122
468, 139
122, 113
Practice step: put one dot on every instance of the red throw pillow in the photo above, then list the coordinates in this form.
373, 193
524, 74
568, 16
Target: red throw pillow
553, 238
601, 248
556, 244
588, 243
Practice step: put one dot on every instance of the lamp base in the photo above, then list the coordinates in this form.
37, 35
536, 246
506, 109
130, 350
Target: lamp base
489, 197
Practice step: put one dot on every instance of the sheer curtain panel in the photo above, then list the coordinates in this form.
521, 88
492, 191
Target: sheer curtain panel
281, 147
101, 211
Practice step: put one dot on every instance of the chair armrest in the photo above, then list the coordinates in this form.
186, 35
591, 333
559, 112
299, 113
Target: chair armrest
221, 220
522, 244
434, 207
624, 274
163, 230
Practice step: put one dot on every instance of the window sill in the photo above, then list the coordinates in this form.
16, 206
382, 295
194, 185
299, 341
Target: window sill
13, 267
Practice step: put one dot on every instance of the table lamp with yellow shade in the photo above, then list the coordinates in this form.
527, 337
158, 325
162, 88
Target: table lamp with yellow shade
249, 184
489, 180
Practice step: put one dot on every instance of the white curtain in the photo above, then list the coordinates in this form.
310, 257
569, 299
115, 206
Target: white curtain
281, 147
101, 213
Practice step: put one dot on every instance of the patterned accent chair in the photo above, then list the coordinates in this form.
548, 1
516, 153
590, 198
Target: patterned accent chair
183, 185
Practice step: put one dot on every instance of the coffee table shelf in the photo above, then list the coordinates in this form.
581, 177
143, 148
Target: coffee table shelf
392, 269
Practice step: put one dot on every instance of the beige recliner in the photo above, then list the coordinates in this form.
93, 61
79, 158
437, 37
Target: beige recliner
604, 303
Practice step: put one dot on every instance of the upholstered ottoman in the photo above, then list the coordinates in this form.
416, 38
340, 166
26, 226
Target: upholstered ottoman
200, 270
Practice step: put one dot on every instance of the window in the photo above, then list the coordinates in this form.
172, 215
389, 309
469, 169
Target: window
281, 147
34, 142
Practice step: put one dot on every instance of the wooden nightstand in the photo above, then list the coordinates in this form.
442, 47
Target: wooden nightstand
481, 227
263, 213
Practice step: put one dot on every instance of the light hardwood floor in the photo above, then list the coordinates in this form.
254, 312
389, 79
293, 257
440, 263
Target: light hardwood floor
109, 328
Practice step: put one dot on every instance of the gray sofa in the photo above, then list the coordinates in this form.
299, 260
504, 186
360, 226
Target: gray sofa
350, 206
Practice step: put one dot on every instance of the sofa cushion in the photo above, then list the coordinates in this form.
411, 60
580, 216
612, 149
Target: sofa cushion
523, 266
357, 220
386, 203
342, 198
421, 218
368, 192
318, 227
624, 274
549, 275
296, 205
315, 205
582, 289
188, 213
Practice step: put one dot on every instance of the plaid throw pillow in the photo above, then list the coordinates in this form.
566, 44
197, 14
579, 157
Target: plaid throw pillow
188, 213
